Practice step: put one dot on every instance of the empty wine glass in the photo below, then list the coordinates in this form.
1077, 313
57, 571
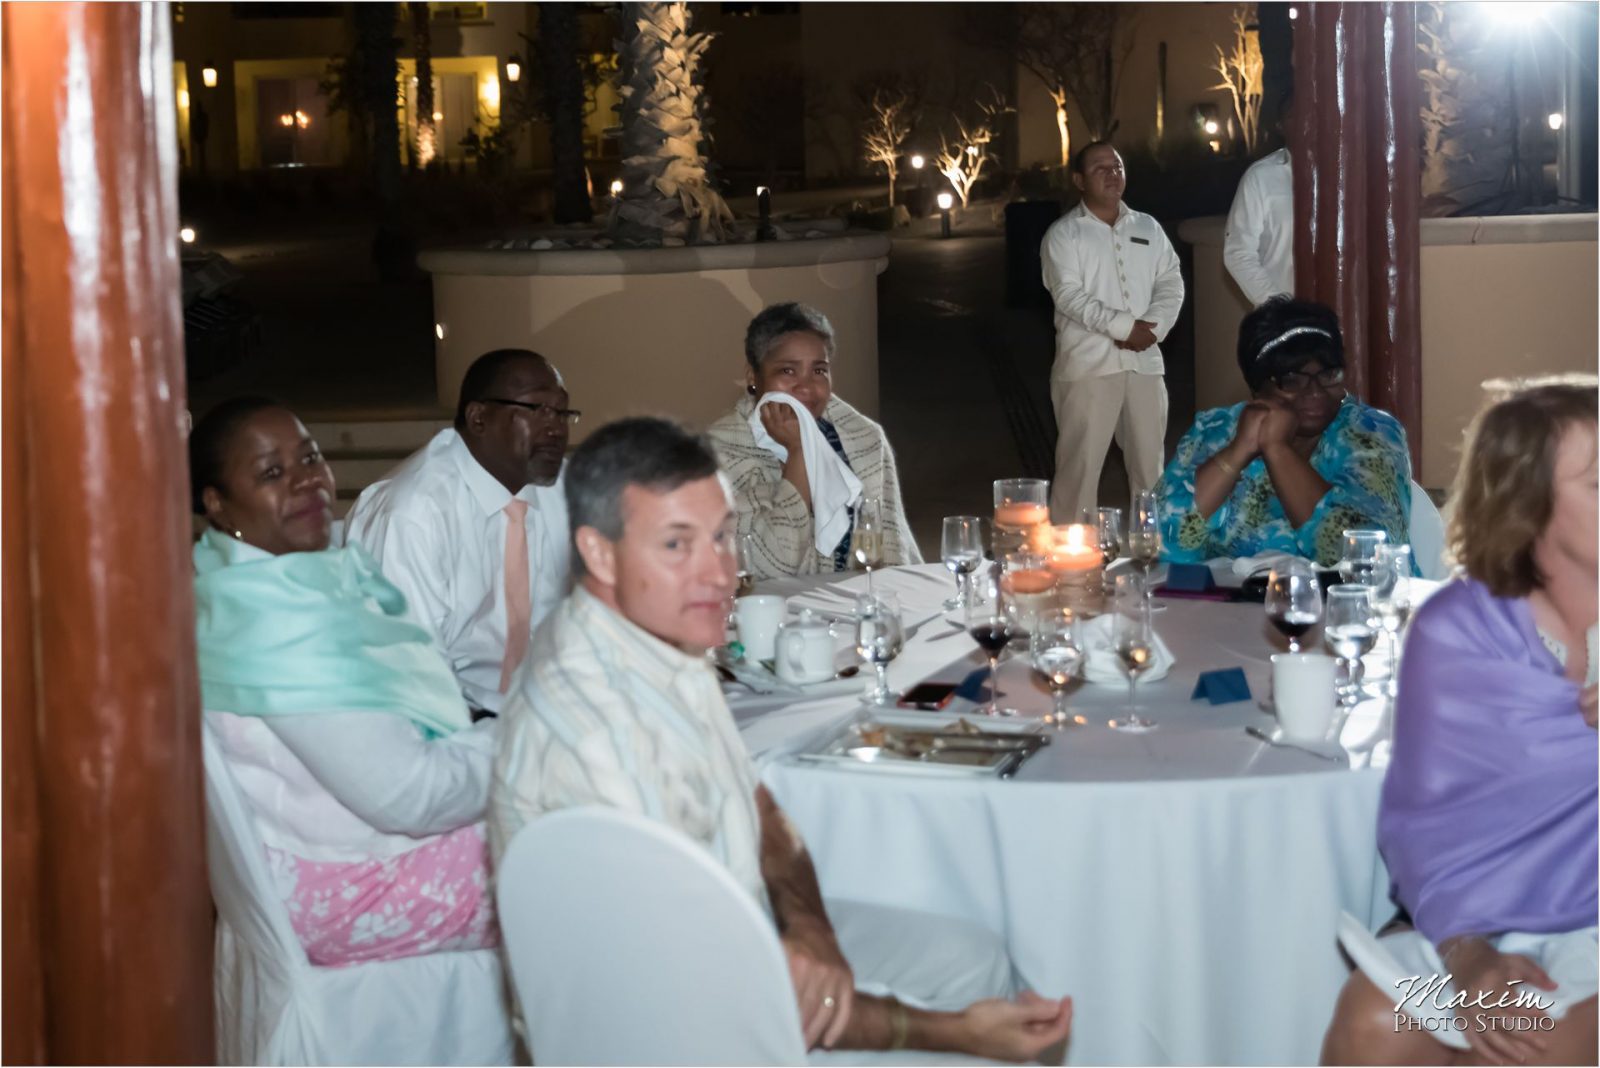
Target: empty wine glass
744, 547
1351, 631
992, 626
1108, 525
1133, 639
880, 635
1294, 600
962, 549
1358, 557
1057, 656
866, 541
1392, 595
1144, 536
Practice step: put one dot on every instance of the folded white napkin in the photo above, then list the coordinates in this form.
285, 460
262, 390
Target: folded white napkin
834, 487
1100, 663
1245, 566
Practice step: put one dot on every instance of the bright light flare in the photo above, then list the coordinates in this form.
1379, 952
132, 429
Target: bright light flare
945, 201
917, 162
616, 187
1212, 127
1513, 14
1556, 120
439, 331
186, 235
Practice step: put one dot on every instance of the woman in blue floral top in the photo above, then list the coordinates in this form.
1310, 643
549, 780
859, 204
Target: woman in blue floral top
1294, 467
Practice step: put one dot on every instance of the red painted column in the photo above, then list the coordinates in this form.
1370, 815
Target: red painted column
1355, 142
108, 941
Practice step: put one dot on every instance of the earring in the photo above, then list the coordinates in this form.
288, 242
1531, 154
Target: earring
238, 536
750, 390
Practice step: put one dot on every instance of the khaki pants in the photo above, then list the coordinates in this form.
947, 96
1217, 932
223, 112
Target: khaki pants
1090, 412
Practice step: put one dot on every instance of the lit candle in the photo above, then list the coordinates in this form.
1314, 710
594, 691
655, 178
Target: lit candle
1021, 516
1027, 581
1072, 550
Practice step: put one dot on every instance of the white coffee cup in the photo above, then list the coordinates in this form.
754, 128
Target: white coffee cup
1303, 691
805, 651
758, 619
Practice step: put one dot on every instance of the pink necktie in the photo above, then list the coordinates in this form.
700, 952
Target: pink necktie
518, 609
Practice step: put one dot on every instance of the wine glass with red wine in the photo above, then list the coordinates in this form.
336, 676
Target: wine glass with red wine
1294, 600
992, 624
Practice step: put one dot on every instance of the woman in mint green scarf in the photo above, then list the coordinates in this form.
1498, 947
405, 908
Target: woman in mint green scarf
341, 723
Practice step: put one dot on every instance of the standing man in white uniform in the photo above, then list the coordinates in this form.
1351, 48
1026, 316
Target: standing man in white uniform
1117, 288
1258, 249
473, 527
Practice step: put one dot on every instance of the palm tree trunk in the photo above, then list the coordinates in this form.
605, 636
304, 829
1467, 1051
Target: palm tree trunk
380, 74
564, 99
666, 199
427, 146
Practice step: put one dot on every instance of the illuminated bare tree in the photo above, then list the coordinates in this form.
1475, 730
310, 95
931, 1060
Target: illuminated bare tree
1241, 69
666, 199
888, 126
1074, 50
963, 159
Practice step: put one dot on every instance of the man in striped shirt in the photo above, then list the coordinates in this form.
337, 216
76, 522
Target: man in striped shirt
616, 705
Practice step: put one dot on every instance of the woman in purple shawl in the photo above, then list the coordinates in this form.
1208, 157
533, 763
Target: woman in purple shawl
1489, 808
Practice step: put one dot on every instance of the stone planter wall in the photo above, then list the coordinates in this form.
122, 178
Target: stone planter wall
654, 331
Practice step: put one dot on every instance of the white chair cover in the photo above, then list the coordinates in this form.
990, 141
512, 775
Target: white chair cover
274, 1007
1427, 535
630, 944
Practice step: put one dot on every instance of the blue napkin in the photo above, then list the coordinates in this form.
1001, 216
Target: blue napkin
1190, 578
974, 687
1222, 687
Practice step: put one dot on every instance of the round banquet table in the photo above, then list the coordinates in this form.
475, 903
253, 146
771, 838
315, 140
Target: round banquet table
1182, 885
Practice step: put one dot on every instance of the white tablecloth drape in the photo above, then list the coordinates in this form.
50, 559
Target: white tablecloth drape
1183, 885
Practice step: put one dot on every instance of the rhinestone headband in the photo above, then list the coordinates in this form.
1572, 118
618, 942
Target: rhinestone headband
1287, 334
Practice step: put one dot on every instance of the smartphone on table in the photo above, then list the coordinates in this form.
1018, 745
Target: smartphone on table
928, 696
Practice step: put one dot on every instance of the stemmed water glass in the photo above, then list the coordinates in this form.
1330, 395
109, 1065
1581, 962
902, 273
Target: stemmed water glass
1144, 536
1057, 656
880, 635
992, 625
1294, 600
962, 549
1133, 639
1392, 594
866, 541
1351, 631
1358, 557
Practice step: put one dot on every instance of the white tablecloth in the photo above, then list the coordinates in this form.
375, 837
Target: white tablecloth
1182, 885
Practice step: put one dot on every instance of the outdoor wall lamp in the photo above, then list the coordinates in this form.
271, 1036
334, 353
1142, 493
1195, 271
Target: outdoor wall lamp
1556, 120
208, 75
513, 67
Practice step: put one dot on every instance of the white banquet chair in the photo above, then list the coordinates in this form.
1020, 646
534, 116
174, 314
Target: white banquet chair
273, 1006
629, 944
1427, 535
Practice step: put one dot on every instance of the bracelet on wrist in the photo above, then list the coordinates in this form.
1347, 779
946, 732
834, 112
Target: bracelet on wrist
899, 1024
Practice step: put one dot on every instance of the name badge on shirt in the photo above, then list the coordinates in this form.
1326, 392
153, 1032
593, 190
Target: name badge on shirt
1140, 240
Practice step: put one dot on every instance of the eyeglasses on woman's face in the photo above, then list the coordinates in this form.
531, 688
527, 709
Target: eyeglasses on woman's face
1300, 381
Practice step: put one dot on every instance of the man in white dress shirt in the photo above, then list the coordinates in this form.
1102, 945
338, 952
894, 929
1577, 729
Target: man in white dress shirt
1117, 288
619, 707
1258, 249
473, 527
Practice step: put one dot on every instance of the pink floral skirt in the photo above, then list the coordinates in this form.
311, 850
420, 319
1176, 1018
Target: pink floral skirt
429, 899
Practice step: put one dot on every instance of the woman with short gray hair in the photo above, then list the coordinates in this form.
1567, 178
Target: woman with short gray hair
799, 458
